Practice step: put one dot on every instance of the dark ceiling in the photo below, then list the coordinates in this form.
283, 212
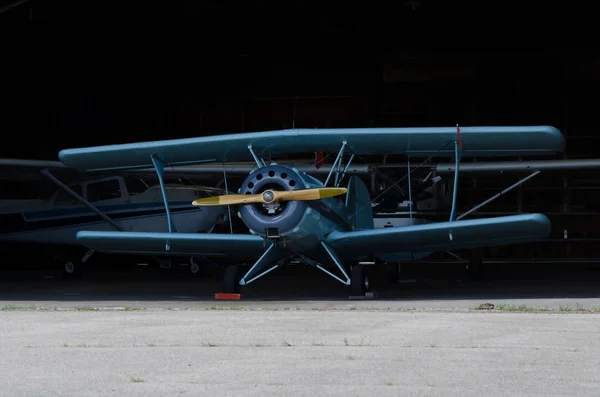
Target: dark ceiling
82, 72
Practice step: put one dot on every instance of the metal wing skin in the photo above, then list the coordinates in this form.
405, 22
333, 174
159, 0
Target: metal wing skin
213, 245
430, 141
29, 170
442, 236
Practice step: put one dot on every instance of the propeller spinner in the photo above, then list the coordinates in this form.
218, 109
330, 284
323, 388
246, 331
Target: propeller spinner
271, 196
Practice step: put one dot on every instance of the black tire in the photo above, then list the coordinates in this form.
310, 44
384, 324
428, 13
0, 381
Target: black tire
393, 272
71, 268
475, 270
198, 267
359, 281
231, 280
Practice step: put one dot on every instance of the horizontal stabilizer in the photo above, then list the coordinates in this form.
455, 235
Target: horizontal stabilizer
442, 236
416, 142
232, 245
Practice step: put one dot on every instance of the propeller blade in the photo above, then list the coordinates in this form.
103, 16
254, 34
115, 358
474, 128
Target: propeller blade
309, 194
228, 199
271, 196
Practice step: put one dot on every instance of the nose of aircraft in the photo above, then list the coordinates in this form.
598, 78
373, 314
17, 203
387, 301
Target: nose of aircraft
268, 196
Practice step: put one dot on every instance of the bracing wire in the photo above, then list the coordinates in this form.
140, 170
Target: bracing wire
396, 183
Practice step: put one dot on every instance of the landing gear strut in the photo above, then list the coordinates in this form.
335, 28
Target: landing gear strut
273, 257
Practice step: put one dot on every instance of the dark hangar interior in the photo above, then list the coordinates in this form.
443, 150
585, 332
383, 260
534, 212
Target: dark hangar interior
92, 73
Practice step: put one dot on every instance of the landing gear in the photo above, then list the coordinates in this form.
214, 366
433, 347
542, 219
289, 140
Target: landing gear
358, 278
475, 270
165, 266
70, 263
196, 270
393, 272
231, 280
71, 268
359, 281
199, 266
177, 266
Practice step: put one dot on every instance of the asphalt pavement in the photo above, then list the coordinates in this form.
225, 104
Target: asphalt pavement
297, 352
298, 333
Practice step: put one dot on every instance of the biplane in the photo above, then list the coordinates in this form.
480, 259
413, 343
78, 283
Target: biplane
293, 216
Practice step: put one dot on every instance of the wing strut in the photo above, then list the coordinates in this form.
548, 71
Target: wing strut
77, 197
457, 155
258, 161
338, 182
494, 197
227, 192
159, 166
83, 201
336, 164
410, 202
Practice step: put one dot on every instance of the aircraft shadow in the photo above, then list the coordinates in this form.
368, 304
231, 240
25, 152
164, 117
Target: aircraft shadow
423, 283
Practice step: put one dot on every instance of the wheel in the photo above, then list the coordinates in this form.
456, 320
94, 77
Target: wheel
359, 280
194, 267
475, 270
231, 280
71, 268
199, 266
393, 272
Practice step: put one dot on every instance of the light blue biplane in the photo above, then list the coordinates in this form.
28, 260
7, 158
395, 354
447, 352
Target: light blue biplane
293, 216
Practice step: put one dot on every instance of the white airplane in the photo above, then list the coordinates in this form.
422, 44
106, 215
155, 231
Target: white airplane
103, 204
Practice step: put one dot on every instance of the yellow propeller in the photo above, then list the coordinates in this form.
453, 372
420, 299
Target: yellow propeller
271, 196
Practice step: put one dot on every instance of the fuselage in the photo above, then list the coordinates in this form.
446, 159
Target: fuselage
300, 225
57, 221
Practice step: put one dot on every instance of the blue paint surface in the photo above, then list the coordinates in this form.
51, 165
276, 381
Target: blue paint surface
235, 245
442, 236
402, 241
416, 142
329, 220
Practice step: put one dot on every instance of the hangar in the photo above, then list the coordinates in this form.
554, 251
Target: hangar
95, 74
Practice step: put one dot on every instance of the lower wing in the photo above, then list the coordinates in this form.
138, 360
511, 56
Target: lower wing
232, 245
442, 236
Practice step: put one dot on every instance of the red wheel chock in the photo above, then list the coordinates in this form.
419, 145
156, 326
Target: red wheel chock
222, 295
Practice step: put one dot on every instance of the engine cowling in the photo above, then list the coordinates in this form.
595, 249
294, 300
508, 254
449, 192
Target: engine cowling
282, 216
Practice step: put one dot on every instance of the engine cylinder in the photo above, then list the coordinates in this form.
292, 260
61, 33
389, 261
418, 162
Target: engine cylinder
283, 216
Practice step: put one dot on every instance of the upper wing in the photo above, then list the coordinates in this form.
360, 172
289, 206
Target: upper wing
430, 141
433, 237
237, 245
